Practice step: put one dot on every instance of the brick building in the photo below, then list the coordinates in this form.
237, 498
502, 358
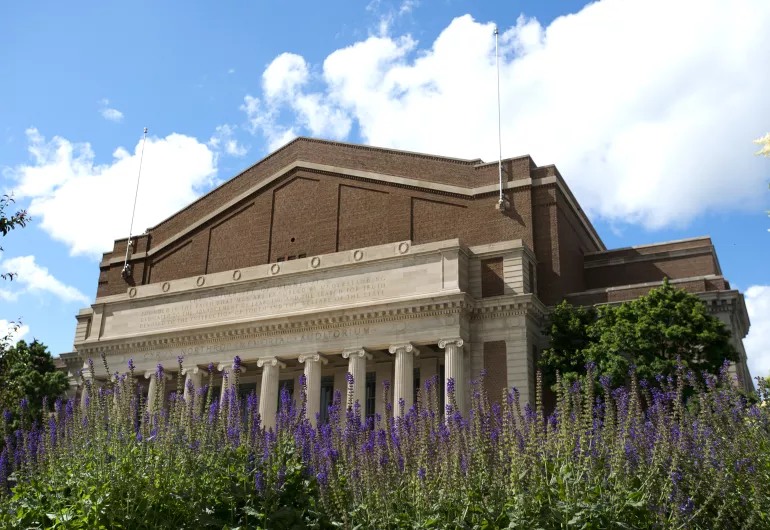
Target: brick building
326, 257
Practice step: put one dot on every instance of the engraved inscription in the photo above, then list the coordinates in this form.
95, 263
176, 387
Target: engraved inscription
270, 300
309, 337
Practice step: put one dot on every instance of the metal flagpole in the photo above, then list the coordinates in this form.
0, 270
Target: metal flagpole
501, 203
126, 267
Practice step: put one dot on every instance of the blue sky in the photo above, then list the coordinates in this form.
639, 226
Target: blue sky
649, 109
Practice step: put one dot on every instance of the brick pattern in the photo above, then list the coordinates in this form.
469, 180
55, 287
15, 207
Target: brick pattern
648, 271
621, 295
313, 212
496, 365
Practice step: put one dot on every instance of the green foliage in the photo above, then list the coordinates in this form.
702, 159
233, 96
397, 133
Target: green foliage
10, 222
27, 371
635, 457
651, 333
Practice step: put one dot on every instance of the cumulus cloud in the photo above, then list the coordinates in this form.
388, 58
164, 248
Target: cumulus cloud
86, 205
224, 141
108, 113
757, 343
284, 84
648, 107
14, 335
35, 279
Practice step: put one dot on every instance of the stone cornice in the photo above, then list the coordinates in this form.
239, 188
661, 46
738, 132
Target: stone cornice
461, 305
458, 304
511, 305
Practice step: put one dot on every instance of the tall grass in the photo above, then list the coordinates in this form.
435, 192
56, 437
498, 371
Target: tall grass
636, 457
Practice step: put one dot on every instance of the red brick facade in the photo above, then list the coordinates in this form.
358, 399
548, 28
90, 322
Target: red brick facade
318, 201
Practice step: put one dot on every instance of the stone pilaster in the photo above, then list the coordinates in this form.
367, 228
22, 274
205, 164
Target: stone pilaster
357, 358
313, 364
454, 369
268, 400
403, 384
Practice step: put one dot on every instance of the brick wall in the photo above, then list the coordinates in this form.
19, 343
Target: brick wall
311, 212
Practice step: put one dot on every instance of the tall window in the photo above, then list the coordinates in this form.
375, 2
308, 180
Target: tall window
327, 396
371, 392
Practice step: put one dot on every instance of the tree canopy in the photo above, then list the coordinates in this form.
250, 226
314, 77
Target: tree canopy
27, 371
650, 333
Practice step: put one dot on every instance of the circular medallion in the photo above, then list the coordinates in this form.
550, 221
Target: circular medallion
236, 275
403, 248
132, 292
200, 281
358, 255
165, 287
315, 262
275, 268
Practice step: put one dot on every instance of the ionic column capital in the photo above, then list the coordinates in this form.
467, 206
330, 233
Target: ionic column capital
405, 347
149, 374
357, 352
456, 341
190, 370
229, 366
270, 361
312, 357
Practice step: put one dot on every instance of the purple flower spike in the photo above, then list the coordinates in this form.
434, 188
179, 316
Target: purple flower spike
211, 368
131, 365
236, 363
349, 377
159, 371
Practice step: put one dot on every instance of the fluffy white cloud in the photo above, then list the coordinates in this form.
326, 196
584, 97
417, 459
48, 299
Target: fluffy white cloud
757, 343
223, 140
284, 83
33, 278
14, 335
648, 107
108, 113
86, 205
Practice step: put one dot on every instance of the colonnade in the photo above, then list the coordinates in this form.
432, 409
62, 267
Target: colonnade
403, 381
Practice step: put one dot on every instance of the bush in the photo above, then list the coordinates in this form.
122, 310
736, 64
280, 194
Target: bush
633, 458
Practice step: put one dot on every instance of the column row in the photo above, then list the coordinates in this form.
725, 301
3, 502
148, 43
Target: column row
403, 380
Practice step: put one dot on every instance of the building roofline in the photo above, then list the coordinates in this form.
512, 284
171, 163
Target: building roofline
475, 163
649, 245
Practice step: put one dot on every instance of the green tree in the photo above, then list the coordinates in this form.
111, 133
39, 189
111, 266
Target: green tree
27, 371
650, 333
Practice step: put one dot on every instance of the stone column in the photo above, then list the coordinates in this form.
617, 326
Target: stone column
403, 384
268, 400
192, 374
152, 389
227, 379
313, 363
357, 368
453, 368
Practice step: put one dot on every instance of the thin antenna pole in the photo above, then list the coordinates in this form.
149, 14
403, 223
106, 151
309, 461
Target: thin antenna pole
136, 195
499, 133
